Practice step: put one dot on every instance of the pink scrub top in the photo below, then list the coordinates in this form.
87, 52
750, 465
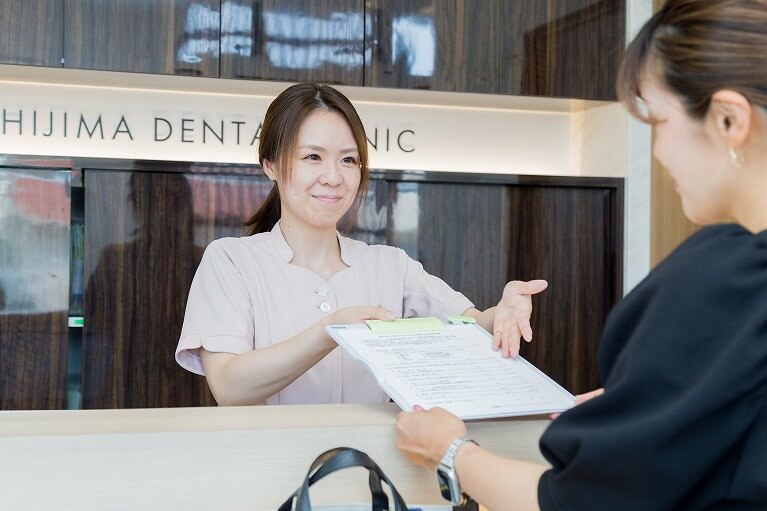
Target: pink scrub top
246, 295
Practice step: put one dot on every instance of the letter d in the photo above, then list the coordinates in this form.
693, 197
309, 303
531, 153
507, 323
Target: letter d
167, 123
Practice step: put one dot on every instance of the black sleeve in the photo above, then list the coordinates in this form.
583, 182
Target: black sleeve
681, 393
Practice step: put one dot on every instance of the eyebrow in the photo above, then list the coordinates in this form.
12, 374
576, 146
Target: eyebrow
322, 149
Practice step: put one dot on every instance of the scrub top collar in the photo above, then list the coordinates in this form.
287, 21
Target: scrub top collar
286, 253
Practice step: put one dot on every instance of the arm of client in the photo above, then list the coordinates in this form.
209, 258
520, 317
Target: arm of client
493, 481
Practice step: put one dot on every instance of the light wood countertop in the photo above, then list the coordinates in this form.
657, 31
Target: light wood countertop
234, 458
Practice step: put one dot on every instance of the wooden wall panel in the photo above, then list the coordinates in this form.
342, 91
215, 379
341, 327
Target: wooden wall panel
34, 288
294, 40
574, 53
31, 32
566, 236
449, 45
587, 48
143, 36
457, 231
144, 236
669, 227
478, 237
524, 46
33, 361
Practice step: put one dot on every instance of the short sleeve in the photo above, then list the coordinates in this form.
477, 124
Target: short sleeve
426, 295
219, 313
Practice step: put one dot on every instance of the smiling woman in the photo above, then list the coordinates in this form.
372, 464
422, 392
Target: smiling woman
302, 126
258, 306
325, 173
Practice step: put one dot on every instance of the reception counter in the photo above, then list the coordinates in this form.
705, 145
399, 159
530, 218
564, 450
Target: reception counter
238, 458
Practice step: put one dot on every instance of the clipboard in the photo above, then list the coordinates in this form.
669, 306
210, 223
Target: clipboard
430, 362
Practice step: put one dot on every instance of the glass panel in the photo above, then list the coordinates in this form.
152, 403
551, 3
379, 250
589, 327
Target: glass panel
145, 233
34, 286
370, 224
293, 40
34, 241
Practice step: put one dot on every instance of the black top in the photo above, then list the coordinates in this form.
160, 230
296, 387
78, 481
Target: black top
683, 421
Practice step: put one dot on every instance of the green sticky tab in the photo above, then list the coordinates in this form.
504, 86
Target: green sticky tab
378, 326
461, 320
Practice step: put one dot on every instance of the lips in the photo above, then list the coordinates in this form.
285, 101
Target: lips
330, 199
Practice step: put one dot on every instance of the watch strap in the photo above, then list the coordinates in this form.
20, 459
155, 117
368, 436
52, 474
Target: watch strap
448, 459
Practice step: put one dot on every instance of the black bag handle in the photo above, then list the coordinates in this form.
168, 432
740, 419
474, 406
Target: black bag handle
338, 459
380, 501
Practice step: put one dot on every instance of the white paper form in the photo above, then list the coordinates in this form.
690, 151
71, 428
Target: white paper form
454, 368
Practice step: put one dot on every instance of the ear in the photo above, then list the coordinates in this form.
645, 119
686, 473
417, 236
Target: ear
732, 116
269, 170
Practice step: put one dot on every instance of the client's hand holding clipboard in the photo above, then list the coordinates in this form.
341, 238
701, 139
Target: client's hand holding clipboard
427, 362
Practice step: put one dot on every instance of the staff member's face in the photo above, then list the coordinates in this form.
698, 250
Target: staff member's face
693, 153
325, 172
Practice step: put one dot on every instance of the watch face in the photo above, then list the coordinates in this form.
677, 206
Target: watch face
444, 485
448, 486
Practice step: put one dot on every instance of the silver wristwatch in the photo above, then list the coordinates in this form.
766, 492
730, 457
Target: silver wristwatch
446, 476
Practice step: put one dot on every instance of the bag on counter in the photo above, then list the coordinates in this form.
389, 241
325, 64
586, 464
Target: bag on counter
339, 459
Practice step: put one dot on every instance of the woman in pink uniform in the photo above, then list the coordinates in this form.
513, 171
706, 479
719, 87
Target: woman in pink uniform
258, 306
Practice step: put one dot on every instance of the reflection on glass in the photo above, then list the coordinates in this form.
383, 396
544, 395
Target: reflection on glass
414, 44
406, 210
201, 23
370, 225
291, 40
139, 267
296, 41
34, 241
220, 205
236, 29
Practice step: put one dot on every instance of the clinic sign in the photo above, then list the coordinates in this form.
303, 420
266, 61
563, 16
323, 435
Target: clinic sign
96, 126
186, 130
128, 123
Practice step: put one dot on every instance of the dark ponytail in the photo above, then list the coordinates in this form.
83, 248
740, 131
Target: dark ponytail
279, 131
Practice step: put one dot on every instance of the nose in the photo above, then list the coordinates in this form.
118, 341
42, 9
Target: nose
331, 175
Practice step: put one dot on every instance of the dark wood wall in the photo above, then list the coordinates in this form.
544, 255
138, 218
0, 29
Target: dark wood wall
563, 48
447, 45
477, 237
32, 32
143, 36
146, 225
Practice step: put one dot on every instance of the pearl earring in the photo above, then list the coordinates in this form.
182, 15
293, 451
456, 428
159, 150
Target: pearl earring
736, 157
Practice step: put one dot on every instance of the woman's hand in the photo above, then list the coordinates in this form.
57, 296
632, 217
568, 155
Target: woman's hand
349, 315
582, 398
512, 316
424, 435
